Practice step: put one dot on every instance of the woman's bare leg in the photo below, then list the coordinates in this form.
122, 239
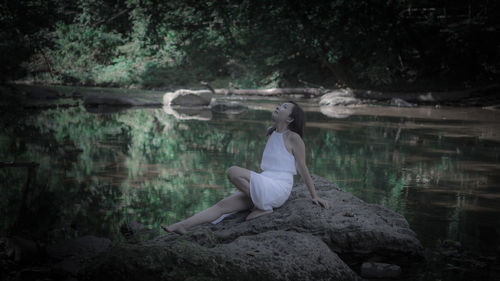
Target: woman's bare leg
240, 177
235, 202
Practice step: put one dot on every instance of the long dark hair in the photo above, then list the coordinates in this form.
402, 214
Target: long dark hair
299, 120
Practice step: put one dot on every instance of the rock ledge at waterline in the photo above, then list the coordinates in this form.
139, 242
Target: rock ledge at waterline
298, 241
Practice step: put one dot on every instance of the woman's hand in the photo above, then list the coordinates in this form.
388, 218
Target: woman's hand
321, 202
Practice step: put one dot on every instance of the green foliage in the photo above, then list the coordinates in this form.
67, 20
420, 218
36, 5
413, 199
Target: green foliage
79, 50
280, 43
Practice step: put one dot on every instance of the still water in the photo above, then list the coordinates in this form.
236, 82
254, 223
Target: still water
438, 167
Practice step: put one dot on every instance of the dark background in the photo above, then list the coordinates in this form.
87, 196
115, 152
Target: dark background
386, 45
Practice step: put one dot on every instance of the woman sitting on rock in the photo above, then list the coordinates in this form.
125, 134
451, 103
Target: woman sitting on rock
261, 192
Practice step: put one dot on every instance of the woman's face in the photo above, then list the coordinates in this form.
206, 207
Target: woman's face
282, 112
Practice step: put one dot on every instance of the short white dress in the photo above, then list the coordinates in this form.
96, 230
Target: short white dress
272, 187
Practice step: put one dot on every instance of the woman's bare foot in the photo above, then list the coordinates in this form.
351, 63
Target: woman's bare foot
176, 227
257, 213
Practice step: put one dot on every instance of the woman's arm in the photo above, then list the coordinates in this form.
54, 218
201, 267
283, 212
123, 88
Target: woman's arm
299, 152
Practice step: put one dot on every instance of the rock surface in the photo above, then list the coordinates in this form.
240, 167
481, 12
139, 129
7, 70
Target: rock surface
88, 246
298, 241
72, 255
379, 270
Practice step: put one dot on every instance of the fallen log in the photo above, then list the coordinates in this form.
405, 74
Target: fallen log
308, 92
417, 97
428, 96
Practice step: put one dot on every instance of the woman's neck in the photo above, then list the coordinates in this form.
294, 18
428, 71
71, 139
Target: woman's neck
280, 128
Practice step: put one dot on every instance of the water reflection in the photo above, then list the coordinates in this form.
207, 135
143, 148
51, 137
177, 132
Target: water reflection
98, 170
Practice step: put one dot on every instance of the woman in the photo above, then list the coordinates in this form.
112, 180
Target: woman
261, 192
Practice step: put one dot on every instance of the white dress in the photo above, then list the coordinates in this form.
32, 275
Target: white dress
272, 187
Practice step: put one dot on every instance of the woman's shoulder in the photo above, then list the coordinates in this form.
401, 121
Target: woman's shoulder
293, 137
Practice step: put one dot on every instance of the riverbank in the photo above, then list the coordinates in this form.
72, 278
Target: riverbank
411, 137
485, 96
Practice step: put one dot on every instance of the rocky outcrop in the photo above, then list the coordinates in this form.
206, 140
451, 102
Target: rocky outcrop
23, 259
298, 241
72, 255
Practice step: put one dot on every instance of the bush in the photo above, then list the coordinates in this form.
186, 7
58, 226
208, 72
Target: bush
78, 51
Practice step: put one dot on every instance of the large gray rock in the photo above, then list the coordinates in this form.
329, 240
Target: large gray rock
272, 255
184, 97
74, 254
82, 246
379, 270
298, 241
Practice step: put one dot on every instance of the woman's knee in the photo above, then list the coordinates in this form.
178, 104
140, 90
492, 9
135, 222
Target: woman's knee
232, 172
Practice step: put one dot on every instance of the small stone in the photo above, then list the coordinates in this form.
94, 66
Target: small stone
348, 214
400, 102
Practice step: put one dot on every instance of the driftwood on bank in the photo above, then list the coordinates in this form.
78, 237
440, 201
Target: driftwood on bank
418, 97
429, 96
308, 92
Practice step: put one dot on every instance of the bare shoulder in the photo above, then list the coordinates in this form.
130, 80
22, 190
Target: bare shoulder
294, 138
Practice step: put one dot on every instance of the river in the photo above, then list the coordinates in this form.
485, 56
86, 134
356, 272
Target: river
438, 167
